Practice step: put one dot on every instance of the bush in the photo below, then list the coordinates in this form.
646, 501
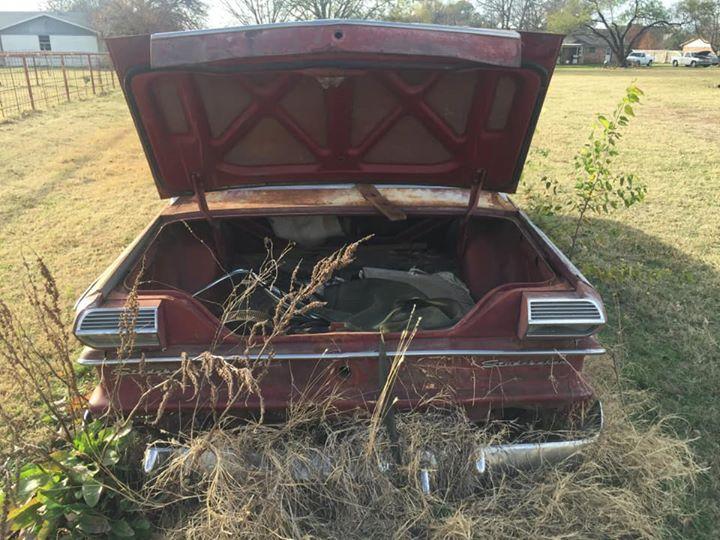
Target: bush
597, 188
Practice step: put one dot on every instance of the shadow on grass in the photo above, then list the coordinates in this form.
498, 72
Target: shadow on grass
663, 332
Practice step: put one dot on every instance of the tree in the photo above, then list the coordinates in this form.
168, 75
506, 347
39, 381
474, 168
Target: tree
270, 11
339, 9
515, 14
600, 187
619, 23
459, 13
258, 11
702, 18
65, 6
127, 17
568, 17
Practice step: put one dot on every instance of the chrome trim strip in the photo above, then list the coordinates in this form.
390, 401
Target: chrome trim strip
358, 354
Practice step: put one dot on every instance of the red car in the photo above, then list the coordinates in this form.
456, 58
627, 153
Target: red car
312, 136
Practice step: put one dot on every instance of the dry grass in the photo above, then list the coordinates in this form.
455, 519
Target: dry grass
238, 377
312, 478
323, 474
75, 189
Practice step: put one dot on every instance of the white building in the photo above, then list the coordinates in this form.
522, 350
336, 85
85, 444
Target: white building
33, 31
697, 44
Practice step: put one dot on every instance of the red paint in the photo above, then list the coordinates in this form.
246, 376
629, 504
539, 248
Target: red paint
464, 381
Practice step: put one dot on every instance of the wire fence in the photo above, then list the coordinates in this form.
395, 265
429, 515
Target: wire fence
38, 81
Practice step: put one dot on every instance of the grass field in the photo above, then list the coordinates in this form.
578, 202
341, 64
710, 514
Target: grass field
74, 187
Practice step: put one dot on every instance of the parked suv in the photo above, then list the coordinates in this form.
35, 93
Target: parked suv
306, 137
640, 59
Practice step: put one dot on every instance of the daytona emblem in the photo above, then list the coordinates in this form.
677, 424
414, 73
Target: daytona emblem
490, 364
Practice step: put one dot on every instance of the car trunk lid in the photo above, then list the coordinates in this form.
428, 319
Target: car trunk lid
334, 102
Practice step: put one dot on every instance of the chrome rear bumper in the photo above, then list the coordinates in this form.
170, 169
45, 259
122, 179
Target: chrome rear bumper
531, 455
490, 459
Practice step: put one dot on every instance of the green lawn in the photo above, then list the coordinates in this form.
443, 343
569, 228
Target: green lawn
75, 188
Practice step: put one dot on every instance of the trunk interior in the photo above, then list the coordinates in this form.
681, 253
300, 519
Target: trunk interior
431, 268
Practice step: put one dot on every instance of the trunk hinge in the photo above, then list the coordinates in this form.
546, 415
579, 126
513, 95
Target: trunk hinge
199, 189
475, 190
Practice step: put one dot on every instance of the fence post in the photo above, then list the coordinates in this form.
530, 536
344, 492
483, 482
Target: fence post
100, 77
27, 80
92, 78
37, 80
67, 88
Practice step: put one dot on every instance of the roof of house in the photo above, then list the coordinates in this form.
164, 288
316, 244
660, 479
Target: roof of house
584, 37
12, 18
696, 38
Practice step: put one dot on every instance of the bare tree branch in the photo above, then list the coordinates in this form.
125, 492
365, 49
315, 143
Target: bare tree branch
257, 11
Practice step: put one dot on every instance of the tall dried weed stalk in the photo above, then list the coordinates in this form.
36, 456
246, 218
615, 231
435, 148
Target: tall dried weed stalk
36, 353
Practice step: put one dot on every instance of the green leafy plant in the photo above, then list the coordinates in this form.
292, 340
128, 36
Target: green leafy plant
598, 188
74, 493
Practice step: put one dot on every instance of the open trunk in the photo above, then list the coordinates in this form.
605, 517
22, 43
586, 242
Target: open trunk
428, 268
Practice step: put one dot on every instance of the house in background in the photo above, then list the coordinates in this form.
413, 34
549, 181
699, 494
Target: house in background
584, 47
33, 31
697, 44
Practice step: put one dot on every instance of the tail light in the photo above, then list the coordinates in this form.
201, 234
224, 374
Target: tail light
105, 328
550, 316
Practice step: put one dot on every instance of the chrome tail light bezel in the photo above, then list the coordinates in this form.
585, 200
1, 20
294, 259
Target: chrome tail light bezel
102, 328
551, 316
